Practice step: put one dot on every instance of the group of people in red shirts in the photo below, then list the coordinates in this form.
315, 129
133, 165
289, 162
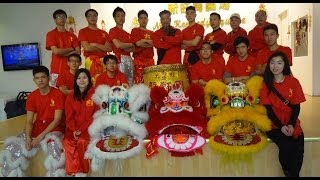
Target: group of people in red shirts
249, 54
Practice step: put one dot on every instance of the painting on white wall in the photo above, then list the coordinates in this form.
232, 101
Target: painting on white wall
300, 36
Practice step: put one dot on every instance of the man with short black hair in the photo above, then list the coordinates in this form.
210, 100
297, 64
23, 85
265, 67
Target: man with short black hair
143, 51
96, 44
62, 43
192, 38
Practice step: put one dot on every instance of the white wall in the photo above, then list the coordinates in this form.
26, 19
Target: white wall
316, 53
30, 23
22, 23
303, 67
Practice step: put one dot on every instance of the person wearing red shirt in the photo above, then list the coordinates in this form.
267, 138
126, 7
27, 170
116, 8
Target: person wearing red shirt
286, 130
62, 43
192, 39
48, 103
96, 44
167, 40
143, 51
271, 35
209, 67
79, 110
235, 21
65, 80
112, 76
45, 121
218, 37
241, 67
255, 35
122, 45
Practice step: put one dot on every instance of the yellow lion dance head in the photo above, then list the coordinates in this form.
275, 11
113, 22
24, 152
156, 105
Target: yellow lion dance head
237, 120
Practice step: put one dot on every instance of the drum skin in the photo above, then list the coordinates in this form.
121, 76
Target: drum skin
166, 75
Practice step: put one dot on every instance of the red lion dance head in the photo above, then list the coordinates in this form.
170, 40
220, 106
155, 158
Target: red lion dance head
177, 121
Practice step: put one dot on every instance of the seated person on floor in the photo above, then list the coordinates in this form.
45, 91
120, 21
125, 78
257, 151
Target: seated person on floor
45, 132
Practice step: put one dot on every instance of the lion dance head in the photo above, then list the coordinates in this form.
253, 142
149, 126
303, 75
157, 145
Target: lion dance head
237, 120
177, 121
118, 130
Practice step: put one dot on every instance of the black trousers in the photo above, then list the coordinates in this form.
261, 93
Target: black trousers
290, 151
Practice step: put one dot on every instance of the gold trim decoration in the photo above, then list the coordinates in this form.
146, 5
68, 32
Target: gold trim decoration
166, 75
309, 20
236, 131
262, 7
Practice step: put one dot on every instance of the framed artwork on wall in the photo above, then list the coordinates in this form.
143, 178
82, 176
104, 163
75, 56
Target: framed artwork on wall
300, 36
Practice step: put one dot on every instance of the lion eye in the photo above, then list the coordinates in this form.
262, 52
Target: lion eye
104, 105
126, 106
143, 108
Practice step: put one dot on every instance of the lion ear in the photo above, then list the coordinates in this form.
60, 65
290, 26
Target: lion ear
157, 94
101, 94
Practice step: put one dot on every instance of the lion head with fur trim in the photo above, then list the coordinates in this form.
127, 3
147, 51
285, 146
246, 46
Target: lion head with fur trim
177, 121
118, 129
237, 120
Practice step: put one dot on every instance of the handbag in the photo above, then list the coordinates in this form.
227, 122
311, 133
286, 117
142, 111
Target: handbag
18, 106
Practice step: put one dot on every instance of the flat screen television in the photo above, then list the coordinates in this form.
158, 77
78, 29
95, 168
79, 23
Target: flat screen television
22, 56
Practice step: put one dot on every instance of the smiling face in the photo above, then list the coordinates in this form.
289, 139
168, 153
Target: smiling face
82, 80
277, 65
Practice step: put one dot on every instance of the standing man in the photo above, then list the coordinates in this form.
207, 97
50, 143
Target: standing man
62, 43
96, 44
122, 45
271, 36
192, 38
218, 37
143, 53
167, 40
255, 35
235, 21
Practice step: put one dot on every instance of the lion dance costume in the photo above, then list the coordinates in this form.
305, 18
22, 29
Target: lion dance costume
237, 120
177, 121
14, 158
118, 130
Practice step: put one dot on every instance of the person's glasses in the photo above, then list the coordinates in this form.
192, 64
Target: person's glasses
74, 61
61, 17
92, 15
205, 49
111, 63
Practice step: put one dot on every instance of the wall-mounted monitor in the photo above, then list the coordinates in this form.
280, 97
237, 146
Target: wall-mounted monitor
22, 56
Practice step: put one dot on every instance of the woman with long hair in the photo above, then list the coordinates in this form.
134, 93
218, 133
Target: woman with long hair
79, 110
282, 94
